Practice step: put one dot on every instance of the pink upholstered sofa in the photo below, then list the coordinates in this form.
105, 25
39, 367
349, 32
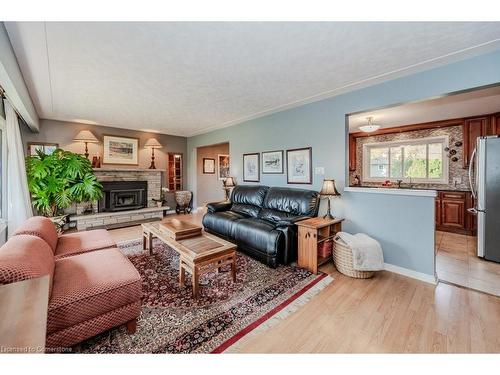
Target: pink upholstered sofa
94, 287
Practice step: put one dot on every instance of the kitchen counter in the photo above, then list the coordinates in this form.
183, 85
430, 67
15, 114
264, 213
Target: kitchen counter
391, 191
413, 188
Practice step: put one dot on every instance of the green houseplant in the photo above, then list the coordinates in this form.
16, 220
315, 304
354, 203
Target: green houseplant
60, 179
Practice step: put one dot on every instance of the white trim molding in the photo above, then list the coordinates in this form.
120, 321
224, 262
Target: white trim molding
431, 279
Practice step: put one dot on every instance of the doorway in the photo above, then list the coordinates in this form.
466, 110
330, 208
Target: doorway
212, 167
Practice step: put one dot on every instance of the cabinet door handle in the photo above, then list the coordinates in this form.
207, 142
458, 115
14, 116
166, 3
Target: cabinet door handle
307, 235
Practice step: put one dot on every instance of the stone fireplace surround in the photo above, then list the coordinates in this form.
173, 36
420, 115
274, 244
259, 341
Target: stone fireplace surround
122, 218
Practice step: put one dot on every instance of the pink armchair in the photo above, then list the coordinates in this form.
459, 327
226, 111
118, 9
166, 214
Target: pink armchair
94, 287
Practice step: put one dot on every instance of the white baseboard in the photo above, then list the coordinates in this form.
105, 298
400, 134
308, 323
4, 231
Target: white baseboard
410, 273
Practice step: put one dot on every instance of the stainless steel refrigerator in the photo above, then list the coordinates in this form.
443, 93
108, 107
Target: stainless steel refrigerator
484, 178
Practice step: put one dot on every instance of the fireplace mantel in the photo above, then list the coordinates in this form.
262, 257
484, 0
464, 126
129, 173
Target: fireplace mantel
142, 170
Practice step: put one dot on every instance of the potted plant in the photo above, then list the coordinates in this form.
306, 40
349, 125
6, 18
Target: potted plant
58, 180
163, 197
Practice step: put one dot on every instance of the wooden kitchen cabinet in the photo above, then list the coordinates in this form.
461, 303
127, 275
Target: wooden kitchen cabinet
473, 128
352, 153
438, 211
451, 212
495, 124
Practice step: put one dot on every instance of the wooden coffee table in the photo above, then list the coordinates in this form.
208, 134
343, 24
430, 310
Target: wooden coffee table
197, 255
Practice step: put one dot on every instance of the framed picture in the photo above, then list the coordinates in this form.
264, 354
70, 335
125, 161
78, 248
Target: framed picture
120, 150
208, 165
223, 166
272, 162
46, 148
251, 165
299, 166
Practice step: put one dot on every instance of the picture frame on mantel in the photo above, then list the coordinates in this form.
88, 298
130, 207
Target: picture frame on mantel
251, 167
120, 150
299, 166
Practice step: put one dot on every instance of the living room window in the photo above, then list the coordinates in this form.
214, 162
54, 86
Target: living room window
421, 160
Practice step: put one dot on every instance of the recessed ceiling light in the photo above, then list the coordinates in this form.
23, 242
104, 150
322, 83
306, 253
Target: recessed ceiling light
370, 127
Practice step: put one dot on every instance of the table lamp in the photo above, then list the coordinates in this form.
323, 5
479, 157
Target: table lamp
328, 190
152, 143
86, 137
228, 183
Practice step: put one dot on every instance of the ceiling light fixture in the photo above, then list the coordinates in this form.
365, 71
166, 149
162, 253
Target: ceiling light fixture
370, 127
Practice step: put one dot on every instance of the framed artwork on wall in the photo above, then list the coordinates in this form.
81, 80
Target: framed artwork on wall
208, 166
299, 166
251, 165
272, 162
46, 148
223, 166
120, 150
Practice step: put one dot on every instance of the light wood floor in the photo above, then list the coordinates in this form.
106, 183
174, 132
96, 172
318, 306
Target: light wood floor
386, 314
457, 262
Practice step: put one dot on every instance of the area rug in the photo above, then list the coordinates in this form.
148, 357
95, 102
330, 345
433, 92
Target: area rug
172, 321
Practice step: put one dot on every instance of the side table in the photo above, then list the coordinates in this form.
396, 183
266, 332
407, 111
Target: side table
312, 232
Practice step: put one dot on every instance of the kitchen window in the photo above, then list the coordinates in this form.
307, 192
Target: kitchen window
423, 160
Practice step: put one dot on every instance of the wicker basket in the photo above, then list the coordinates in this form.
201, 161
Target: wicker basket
342, 258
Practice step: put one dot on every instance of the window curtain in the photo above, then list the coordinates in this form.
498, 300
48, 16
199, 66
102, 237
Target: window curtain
18, 197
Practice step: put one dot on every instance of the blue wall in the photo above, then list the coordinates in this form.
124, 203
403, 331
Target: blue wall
403, 224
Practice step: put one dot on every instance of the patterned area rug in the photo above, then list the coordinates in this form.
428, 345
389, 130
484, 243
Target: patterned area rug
172, 321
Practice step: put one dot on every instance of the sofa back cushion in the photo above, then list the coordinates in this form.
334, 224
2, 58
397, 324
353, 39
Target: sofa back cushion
41, 227
249, 194
295, 202
25, 257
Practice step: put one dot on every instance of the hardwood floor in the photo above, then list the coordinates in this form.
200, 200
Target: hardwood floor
386, 314
457, 263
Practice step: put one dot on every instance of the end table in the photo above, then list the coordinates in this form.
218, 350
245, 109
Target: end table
312, 232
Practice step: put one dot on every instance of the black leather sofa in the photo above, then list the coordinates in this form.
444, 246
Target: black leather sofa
261, 220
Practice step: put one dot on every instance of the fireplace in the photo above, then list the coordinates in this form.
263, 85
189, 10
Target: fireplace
123, 195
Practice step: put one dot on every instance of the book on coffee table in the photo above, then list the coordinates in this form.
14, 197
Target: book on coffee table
178, 229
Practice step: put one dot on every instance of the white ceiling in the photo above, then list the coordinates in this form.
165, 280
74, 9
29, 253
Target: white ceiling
189, 78
472, 103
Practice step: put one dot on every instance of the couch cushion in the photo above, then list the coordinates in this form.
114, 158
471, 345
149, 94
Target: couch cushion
276, 217
258, 234
89, 285
25, 257
81, 242
221, 222
292, 201
41, 227
246, 209
249, 194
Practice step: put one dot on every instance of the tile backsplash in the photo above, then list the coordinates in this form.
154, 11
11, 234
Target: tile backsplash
456, 171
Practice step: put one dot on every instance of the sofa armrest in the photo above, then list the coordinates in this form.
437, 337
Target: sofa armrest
290, 221
219, 206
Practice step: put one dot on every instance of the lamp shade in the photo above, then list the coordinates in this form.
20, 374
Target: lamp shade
86, 136
328, 188
152, 143
229, 182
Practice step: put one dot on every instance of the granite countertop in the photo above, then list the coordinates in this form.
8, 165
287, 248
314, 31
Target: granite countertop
447, 188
